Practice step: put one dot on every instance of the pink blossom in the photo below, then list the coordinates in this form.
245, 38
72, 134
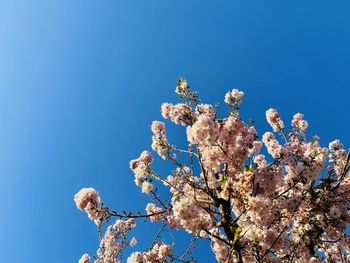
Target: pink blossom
158, 127
159, 252
87, 199
86, 196
205, 109
154, 212
335, 145
141, 168
181, 86
235, 96
135, 257
84, 259
147, 187
179, 113
273, 118
133, 242
166, 110
272, 145
159, 140
203, 131
299, 122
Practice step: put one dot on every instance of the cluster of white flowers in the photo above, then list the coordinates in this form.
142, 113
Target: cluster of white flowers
87, 199
84, 259
141, 169
314, 157
273, 118
255, 148
203, 131
133, 241
338, 155
155, 213
146, 187
182, 86
159, 140
159, 252
206, 109
113, 242
179, 113
235, 96
219, 248
299, 122
272, 145
190, 215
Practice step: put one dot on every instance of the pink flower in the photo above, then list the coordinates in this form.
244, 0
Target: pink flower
133, 242
204, 131
147, 187
87, 199
273, 118
86, 196
84, 259
299, 122
205, 109
155, 211
272, 145
159, 140
158, 127
335, 145
166, 110
135, 257
235, 96
181, 86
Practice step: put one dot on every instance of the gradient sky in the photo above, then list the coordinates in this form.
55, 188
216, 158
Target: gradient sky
81, 81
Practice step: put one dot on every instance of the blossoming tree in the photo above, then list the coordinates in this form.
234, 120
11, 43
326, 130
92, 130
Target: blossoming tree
292, 206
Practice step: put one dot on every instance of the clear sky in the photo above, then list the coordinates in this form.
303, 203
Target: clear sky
81, 81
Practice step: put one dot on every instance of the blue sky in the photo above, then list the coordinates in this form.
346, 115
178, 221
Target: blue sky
81, 81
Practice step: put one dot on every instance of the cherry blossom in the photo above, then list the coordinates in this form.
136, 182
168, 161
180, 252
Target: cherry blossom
279, 197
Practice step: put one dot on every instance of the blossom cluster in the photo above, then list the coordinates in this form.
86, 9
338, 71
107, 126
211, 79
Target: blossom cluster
273, 118
155, 213
88, 199
159, 252
235, 96
113, 242
159, 139
299, 122
141, 169
338, 156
